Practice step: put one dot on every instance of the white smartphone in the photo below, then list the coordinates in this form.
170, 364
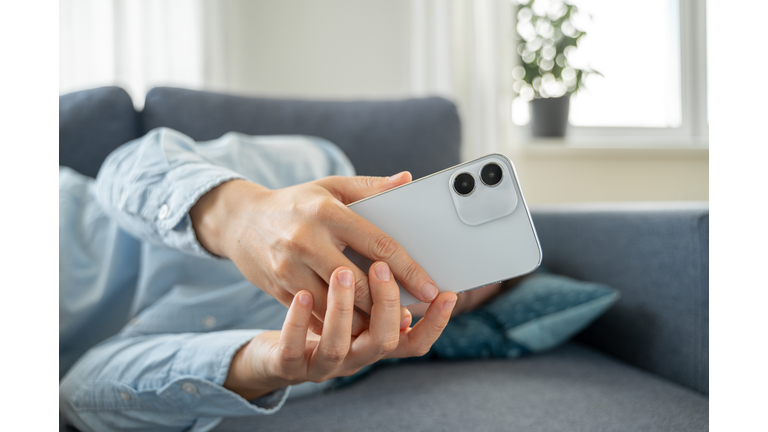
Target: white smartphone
467, 226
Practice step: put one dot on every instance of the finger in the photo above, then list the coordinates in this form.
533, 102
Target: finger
326, 262
315, 325
360, 323
351, 189
383, 335
416, 341
293, 336
370, 241
319, 264
337, 326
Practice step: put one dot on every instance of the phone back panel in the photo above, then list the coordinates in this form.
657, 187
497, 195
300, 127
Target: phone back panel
423, 217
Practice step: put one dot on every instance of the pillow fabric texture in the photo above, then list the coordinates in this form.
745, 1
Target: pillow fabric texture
543, 311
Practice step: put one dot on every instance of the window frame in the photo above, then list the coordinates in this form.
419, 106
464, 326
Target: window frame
693, 131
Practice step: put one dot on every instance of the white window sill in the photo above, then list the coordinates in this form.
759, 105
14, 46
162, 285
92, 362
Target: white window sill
617, 146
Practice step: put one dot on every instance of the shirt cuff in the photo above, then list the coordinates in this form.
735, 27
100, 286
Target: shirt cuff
170, 205
196, 382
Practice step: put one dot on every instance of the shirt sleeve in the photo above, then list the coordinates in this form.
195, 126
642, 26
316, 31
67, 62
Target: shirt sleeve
148, 185
159, 382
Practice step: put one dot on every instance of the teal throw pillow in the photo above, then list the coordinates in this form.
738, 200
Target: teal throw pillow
543, 311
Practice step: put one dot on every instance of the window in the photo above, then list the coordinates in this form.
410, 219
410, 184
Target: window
652, 55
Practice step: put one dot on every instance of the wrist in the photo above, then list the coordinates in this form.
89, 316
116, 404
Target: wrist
214, 214
243, 378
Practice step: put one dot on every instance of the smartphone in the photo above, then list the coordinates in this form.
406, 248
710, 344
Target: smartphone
467, 226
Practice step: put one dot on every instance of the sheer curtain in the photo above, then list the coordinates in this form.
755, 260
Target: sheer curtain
135, 44
460, 50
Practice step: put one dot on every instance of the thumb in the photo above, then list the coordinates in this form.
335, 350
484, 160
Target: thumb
351, 189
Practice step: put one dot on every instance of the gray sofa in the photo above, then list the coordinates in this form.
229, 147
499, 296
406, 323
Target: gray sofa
644, 365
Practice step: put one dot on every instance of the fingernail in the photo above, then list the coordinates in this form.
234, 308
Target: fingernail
406, 322
448, 306
382, 271
396, 176
429, 291
345, 278
304, 299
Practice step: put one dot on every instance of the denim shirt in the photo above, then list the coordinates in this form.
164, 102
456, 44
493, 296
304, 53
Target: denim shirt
148, 320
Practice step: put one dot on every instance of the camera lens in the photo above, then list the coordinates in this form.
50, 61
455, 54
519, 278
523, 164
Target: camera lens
491, 174
464, 184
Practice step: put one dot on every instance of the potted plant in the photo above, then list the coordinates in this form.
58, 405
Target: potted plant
545, 77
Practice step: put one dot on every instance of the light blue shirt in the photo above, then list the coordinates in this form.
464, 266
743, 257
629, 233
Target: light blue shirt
148, 320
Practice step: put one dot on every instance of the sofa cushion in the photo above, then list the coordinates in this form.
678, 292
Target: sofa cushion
572, 388
92, 123
379, 137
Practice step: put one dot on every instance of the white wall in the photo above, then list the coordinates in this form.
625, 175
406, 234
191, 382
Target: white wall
337, 49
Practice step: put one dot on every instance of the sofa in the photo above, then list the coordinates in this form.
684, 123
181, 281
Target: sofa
644, 365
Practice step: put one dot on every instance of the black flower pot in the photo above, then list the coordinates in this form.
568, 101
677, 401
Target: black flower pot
549, 116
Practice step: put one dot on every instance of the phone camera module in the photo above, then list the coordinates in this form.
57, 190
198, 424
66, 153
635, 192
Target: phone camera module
491, 174
464, 184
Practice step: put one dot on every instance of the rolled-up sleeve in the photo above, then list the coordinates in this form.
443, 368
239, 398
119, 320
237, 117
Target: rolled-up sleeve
159, 382
149, 185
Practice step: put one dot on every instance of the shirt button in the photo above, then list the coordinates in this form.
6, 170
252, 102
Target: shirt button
209, 322
189, 388
163, 211
126, 397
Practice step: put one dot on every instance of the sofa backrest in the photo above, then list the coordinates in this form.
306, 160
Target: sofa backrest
379, 137
92, 123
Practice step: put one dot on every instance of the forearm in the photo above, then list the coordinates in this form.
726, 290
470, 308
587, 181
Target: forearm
158, 382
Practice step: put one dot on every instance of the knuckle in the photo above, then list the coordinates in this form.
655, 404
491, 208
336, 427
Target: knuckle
369, 182
334, 354
422, 350
281, 273
384, 348
409, 270
290, 354
326, 209
389, 299
286, 373
390, 345
296, 241
383, 247
343, 309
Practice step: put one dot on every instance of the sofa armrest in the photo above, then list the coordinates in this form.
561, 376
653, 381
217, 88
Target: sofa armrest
657, 255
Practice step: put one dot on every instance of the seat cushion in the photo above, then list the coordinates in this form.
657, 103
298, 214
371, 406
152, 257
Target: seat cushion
379, 137
92, 123
570, 388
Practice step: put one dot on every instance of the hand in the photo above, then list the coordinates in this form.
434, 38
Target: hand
290, 239
274, 359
